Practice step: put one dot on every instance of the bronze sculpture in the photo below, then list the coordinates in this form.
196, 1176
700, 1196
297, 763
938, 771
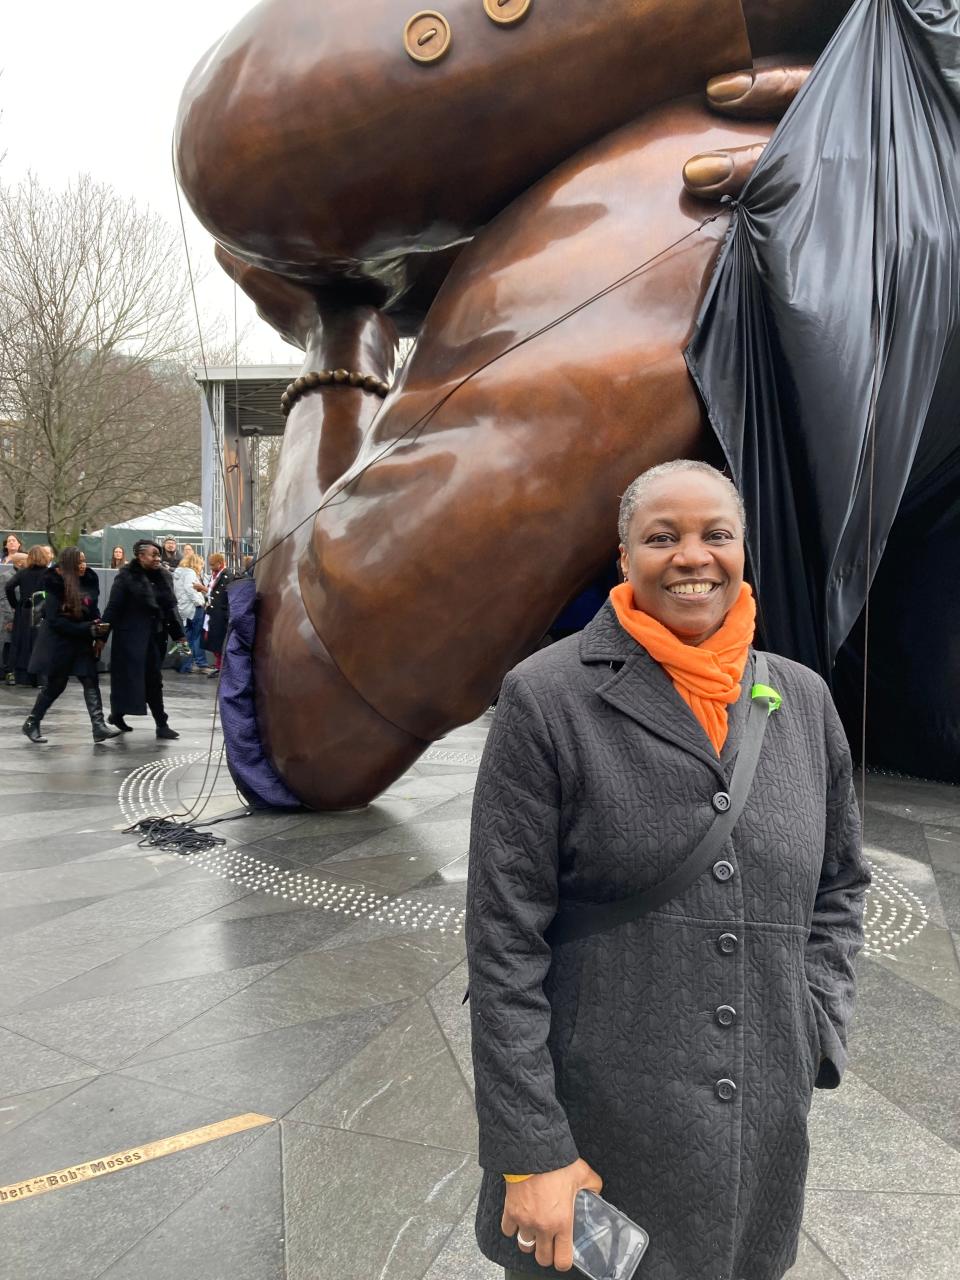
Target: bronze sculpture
358, 193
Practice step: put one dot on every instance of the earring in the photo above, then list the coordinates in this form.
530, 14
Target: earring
506, 12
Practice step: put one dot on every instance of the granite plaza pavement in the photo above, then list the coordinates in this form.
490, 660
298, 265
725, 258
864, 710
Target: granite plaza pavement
308, 975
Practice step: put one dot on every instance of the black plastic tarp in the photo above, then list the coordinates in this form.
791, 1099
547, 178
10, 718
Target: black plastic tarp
913, 659
827, 347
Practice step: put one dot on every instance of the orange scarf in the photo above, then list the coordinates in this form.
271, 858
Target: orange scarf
707, 676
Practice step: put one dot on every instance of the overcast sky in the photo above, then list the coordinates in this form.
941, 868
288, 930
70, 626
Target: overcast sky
94, 86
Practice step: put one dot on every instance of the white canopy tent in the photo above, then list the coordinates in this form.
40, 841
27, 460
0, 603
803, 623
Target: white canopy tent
184, 517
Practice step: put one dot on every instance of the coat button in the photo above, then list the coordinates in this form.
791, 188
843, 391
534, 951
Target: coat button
725, 1090
426, 38
506, 11
722, 870
726, 1015
721, 802
728, 943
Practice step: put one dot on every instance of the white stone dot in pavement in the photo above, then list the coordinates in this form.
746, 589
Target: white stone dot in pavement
445, 755
893, 916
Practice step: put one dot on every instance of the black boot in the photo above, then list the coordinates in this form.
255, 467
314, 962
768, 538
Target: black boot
31, 727
159, 713
91, 696
43, 703
120, 723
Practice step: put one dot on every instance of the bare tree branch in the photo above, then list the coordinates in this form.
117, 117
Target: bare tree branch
98, 413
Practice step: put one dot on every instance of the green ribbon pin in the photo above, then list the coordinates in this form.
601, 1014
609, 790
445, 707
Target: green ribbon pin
765, 691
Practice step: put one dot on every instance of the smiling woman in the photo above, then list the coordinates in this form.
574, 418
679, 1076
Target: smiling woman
143, 613
684, 598
682, 547
665, 900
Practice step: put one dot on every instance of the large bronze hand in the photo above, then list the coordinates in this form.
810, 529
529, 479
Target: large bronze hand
763, 92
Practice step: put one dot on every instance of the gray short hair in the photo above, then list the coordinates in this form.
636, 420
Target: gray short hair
635, 492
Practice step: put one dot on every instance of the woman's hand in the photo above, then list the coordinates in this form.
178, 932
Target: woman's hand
541, 1210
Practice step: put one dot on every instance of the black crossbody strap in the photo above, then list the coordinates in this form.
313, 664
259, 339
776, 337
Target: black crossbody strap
579, 920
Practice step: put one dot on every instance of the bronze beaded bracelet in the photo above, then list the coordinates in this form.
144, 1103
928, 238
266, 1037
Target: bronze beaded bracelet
331, 378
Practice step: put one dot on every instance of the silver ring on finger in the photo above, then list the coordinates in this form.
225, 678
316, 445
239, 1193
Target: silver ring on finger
526, 1244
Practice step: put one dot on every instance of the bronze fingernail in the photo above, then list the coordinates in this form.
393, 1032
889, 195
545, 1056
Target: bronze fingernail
707, 170
729, 88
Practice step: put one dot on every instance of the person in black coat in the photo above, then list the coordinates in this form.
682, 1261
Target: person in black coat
142, 612
70, 641
20, 591
218, 607
170, 554
667, 1058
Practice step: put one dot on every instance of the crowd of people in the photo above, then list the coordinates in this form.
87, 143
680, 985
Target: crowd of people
657, 797
52, 627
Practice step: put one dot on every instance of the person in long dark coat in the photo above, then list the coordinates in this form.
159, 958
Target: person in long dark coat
71, 640
670, 1060
170, 554
218, 607
142, 612
20, 591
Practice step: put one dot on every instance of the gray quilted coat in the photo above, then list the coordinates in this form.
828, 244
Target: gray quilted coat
676, 1054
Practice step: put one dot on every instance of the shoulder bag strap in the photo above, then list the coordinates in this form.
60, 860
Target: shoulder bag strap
579, 920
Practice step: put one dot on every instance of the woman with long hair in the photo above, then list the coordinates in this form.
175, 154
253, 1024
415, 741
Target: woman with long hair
118, 558
190, 591
24, 592
11, 546
74, 639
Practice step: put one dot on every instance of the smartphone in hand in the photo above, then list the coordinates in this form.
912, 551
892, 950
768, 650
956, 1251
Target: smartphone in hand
607, 1245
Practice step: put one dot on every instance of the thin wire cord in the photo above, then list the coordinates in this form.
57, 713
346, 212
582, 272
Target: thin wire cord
236, 428
218, 452
193, 291
192, 812
157, 828
425, 418
872, 457
879, 210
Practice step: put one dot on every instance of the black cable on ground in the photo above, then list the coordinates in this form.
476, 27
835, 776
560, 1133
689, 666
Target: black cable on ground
174, 837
